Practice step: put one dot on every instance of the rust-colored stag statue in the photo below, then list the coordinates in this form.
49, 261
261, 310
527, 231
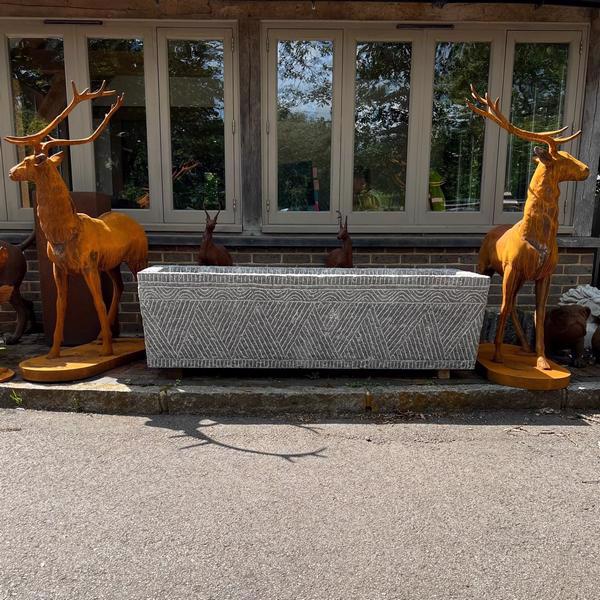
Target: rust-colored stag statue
528, 251
79, 244
211, 253
341, 258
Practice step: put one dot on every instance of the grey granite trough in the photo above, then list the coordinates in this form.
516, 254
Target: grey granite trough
311, 318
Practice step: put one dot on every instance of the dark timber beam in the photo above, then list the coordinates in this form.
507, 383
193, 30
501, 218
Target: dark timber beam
589, 149
250, 130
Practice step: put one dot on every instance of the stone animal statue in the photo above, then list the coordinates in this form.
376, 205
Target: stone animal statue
13, 268
211, 253
79, 244
341, 258
528, 251
565, 328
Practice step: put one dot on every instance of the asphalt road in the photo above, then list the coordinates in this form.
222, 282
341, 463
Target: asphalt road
503, 506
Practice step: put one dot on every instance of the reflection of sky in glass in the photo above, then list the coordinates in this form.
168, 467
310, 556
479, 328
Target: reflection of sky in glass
196, 74
304, 77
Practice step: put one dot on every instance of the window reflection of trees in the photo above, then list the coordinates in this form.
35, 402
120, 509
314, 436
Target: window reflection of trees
197, 109
457, 136
537, 104
121, 152
382, 91
37, 69
304, 105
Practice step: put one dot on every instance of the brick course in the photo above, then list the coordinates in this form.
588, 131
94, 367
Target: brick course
575, 268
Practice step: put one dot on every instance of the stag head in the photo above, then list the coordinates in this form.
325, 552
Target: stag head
343, 232
562, 165
34, 165
211, 223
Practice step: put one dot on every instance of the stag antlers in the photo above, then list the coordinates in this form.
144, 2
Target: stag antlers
492, 112
36, 139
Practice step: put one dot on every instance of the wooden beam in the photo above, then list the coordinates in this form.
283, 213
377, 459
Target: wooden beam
250, 126
589, 149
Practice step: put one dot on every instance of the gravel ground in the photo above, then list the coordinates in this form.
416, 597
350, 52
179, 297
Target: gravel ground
501, 505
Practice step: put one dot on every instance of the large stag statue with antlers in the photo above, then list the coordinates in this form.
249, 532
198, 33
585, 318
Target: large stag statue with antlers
79, 244
528, 251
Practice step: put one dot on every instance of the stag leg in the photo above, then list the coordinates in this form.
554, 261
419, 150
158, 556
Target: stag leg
542, 287
61, 280
24, 310
510, 287
519, 331
92, 279
117, 281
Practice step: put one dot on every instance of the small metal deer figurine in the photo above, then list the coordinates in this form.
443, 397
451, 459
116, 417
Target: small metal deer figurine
211, 253
341, 258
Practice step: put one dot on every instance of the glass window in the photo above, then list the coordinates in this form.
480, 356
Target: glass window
197, 126
539, 86
37, 69
121, 152
382, 93
304, 121
457, 135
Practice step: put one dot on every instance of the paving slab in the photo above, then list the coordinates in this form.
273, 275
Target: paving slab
136, 389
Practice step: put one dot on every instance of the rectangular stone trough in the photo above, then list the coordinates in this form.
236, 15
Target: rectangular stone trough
311, 318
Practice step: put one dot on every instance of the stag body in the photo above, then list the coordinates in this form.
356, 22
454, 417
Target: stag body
528, 250
341, 258
211, 253
79, 244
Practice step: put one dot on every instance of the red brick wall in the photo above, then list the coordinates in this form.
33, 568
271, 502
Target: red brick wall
574, 268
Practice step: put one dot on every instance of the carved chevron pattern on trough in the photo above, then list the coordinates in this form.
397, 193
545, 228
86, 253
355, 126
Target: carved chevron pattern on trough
252, 317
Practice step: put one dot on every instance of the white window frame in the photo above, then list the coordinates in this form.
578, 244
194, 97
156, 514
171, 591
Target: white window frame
226, 35
417, 217
573, 110
274, 219
160, 216
488, 176
373, 219
154, 213
18, 216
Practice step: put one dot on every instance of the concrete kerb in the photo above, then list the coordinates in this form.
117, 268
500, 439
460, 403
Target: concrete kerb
305, 398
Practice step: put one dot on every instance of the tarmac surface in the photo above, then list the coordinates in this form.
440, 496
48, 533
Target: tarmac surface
501, 505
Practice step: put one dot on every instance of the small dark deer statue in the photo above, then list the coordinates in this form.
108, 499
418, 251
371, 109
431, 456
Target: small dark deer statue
13, 268
341, 258
210, 253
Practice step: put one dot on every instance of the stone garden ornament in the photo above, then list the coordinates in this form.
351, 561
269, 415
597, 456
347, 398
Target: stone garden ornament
341, 258
79, 244
528, 250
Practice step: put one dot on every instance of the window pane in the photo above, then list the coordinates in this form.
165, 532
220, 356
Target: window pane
37, 69
197, 111
304, 108
457, 135
121, 152
381, 125
537, 104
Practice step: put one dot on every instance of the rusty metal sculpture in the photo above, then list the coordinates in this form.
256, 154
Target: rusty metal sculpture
211, 253
341, 258
13, 268
79, 244
528, 251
